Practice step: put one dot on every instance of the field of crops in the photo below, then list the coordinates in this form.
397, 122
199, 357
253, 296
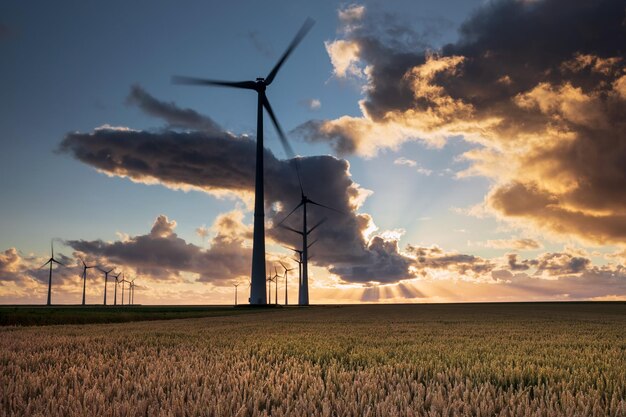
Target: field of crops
425, 360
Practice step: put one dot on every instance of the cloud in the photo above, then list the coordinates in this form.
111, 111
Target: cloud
546, 122
405, 161
170, 113
413, 164
517, 244
203, 232
218, 163
162, 255
312, 104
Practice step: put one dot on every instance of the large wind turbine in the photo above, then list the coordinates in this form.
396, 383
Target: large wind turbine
50, 261
85, 268
106, 279
257, 290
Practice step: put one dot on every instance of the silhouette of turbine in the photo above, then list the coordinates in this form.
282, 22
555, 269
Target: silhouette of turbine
116, 282
50, 261
236, 285
303, 292
122, 282
106, 279
258, 274
276, 285
287, 270
85, 268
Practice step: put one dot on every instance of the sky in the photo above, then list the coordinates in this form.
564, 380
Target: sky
475, 148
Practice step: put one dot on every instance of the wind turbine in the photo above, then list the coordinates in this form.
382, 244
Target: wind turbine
85, 268
106, 279
123, 281
50, 261
257, 290
269, 280
286, 271
133, 292
276, 285
303, 293
116, 282
236, 285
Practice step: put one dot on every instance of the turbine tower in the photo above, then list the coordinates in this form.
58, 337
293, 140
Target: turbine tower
258, 295
276, 285
131, 292
116, 282
50, 261
85, 268
287, 270
236, 285
123, 281
106, 279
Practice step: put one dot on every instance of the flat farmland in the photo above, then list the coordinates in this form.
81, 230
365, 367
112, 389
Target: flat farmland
542, 359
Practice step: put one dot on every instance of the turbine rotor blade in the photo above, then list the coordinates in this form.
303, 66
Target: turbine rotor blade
54, 260
326, 207
49, 260
283, 139
290, 213
316, 226
312, 243
248, 85
290, 228
308, 24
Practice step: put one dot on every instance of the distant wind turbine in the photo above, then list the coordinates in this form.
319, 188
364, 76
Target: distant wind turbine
303, 293
85, 268
50, 261
236, 285
106, 279
116, 282
123, 281
276, 285
258, 275
287, 270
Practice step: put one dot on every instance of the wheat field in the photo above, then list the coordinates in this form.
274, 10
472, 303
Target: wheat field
422, 360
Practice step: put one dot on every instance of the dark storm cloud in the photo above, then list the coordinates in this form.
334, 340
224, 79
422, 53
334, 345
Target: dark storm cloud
539, 86
170, 113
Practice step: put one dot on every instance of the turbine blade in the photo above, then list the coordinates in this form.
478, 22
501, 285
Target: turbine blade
49, 260
248, 85
290, 213
308, 24
289, 228
283, 265
52, 248
283, 139
54, 260
312, 243
317, 225
326, 207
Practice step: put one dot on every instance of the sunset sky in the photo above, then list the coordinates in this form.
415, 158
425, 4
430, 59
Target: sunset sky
477, 148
